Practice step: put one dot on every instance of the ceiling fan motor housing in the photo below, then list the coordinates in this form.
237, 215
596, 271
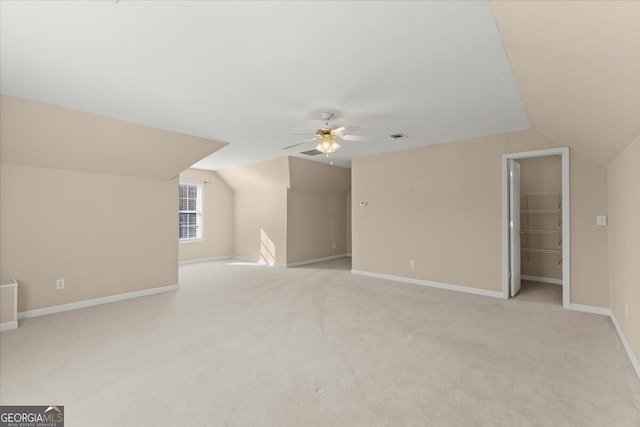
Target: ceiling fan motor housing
324, 132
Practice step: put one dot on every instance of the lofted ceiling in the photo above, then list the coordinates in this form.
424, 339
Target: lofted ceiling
250, 73
577, 64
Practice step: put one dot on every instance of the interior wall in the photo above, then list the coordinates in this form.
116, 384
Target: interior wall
260, 225
102, 234
260, 209
541, 175
441, 206
317, 222
589, 242
6, 305
217, 213
624, 241
316, 210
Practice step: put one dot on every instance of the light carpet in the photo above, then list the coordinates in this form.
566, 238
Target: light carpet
245, 345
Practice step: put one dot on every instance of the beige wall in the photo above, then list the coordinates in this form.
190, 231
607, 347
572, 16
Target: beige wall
260, 225
288, 210
260, 209
48, 136
6, 304
317, 222
441, 205
624, 241
88, 199
217, 211
103, 234
589, 247
316, 210
541, 175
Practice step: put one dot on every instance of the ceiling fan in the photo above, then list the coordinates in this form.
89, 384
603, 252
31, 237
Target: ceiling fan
327, 137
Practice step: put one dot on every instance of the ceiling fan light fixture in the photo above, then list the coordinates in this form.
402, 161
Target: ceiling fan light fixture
328, 146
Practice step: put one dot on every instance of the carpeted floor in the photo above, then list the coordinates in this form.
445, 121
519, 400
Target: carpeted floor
540, 292
244, 345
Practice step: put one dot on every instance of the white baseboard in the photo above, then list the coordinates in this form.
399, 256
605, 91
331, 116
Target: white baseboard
625, 344
199, 260
252, 261
607, 312
315, 260
8, 325
590, 309
550, 280
447, 286
96, 301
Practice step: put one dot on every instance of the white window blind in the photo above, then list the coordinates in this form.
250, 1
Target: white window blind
190, 211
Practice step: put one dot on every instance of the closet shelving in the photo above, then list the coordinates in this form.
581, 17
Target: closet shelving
541, 219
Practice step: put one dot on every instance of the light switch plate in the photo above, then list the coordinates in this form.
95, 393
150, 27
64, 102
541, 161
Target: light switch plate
601, 219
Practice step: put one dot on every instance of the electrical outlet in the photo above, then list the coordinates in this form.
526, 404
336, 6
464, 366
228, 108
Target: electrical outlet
335, 245
412, 263
626, 311
60, 284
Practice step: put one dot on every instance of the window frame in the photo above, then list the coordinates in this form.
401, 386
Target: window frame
199, 214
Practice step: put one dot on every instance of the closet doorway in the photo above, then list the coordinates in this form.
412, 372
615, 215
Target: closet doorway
536, 228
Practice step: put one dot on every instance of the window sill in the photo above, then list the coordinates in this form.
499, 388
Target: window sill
198, 240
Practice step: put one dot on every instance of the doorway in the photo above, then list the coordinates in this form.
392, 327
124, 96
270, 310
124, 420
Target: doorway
536, 223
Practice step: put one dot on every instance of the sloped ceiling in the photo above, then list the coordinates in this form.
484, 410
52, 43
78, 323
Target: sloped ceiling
577, 64
252, 73
47, 136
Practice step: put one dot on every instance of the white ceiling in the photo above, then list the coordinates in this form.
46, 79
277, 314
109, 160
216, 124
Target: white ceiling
251, 73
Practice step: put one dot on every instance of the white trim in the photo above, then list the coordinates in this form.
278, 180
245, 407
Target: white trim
199, 260
607, 312
256, 261
566, 219
191, 240
199, 211
348, 255
590, 309
625, 344
96, 301
8, 325
439, 285
12, 324
550, 280
315, 260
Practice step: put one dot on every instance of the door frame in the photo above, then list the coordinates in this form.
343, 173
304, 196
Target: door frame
563, 152
515, 238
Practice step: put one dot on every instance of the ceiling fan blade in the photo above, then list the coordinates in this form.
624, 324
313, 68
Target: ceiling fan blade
303, 134
299, 143
343, 129
358, 138
339, 130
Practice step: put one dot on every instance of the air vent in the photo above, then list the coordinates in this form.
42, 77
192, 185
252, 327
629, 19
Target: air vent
313, 152
398, 136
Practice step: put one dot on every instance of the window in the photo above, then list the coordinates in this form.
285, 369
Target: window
190, 212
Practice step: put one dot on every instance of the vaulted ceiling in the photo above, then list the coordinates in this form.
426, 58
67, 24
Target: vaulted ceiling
252, 73
577, 64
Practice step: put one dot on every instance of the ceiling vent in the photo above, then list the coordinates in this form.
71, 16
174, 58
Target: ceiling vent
313, 152
398, 136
